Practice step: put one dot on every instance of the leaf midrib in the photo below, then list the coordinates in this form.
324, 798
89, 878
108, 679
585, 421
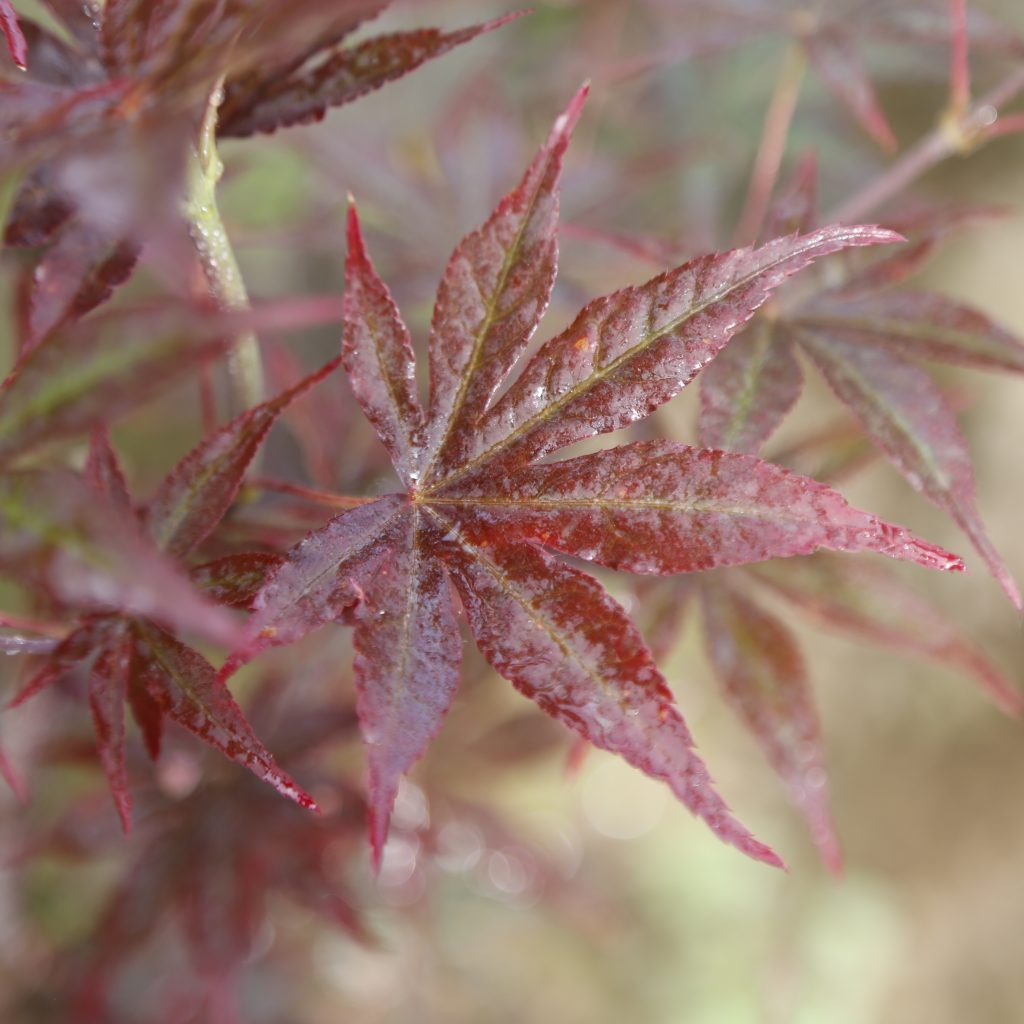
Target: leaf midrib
602, 373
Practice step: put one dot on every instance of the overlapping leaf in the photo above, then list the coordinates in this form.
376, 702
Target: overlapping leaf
864, 340
480, 509
131, 84
91, 373
104, 558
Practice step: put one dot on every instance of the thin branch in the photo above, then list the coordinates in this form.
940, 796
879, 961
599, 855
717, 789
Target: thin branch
956, 134
772, 147
220, 267
959, 67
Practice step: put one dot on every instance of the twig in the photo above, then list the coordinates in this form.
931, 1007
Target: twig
772, 147
220, 267
954, 134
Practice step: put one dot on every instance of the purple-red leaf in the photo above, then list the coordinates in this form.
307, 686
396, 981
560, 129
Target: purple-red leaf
108, 687
908, 418
758, 664
195, 495
306, 94
630, 352
872, 603
660, 507
235, 580
494, 291
103, 473
654, 507
12, 778
323, 576
90, 373
77, 274
379, 359
563, 642
184, 685
408, 652
15, 38
748, 389
920, 325
89, 552
795, 209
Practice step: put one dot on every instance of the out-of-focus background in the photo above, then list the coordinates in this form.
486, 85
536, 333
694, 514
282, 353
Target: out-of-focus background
644, 916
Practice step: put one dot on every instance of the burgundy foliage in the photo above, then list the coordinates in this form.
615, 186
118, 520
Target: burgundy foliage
511, 499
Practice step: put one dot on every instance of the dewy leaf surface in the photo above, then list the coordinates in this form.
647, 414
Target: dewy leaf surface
562, 641
758, 664
185, 687
908, 418
408, 652
476, 502
493, 293
323, 575
630, 352
662, 507
748, 389
378, 357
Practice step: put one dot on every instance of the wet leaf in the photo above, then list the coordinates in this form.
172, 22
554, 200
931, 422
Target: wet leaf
479, 507
184, 685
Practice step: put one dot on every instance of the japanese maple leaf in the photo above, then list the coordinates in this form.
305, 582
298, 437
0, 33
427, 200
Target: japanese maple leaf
479, 509
866, 338
121, 648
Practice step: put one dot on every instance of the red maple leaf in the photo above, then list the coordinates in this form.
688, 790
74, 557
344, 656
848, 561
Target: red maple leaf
480, 509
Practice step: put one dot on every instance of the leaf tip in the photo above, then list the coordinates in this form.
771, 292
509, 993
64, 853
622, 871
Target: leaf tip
566, 121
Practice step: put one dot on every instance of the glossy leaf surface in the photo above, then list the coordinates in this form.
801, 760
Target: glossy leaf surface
660, 507
628, 353
563, 642
480, 508
184, 685
408, 652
